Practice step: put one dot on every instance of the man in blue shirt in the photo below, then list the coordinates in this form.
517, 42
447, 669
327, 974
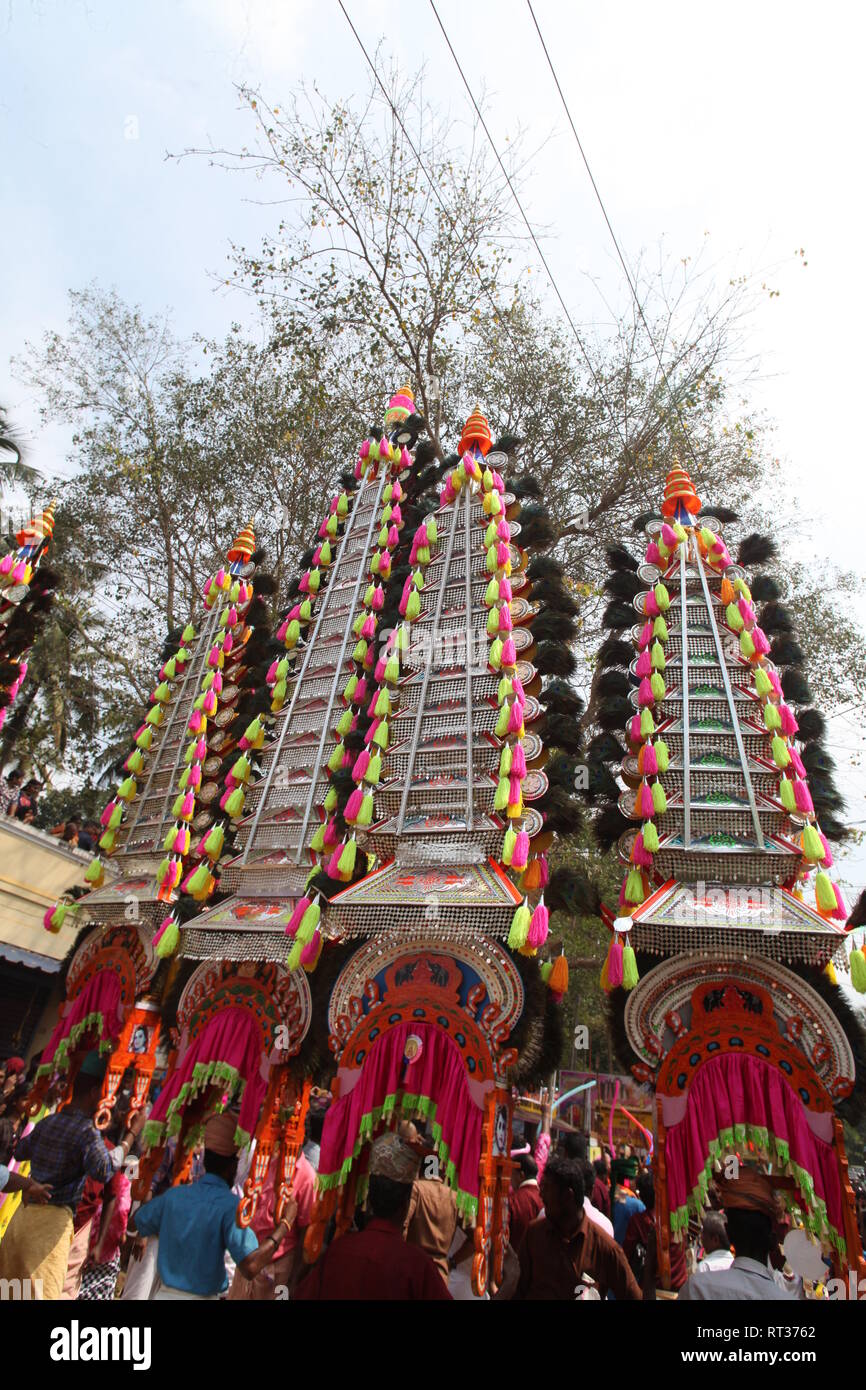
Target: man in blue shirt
625, 1204
197, 1224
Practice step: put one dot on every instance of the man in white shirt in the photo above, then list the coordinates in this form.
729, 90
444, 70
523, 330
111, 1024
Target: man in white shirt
714, 1239
596, 1216
750, 1207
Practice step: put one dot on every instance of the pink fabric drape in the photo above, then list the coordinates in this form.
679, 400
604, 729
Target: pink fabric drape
100, 996
439, 1073
228, 1049
734, 1090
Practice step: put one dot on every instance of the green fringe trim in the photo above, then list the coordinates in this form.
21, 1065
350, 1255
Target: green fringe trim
775, 1151
61, 1059
467, 1202
204, 1074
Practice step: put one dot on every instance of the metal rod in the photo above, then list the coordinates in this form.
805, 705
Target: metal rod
744, 762
687, 768
322, 610
470, 789
416, 732
361, 575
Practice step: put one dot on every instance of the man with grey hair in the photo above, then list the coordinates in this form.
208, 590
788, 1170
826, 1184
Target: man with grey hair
714, 1239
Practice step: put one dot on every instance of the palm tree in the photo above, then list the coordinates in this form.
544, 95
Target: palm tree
13, 468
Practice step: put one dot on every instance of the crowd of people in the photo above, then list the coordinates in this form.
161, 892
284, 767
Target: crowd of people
577, 1229
20, 800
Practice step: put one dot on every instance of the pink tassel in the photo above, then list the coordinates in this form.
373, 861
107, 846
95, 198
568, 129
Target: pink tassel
747, 613
503, 530
503, 554
210, 703
228, 643
217, 682
796, 761
271, 677
515, 793
803, 798
360, 694
789, 723
294, 614
188, 806
518, 691
645, 802
509, 652
226, 794
518, 761
538, 927
161, 930
333, 866
368, 628
331, 837
650, 604
669, 536
22, 669
759, 637
447, 495
384, 446
841, 913
304, 585
362, 762
359, 473
545, 872
396, 490
643, 666
621, 899
379, 673
645, 695
520, 854
646, 635
498, 482
614, 962
364, 451
194, 778
371, 711
195, 721
653, 554
213, 658
353, 805
505, 618
378, 602
105, 817
515, 719
368, 737
393, 537
650, 761
505, 594
179, 842
311, 950
774, 681
827, 861
5, 566
634, 729
640, 854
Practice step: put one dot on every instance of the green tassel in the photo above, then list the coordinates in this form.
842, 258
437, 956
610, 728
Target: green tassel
360, 651
383, 538
359, 623
505, 760
494, 656
213, 845
168, 842
743, 589
198, 880
813, 850
413, 605
106, 841
679, 531
382, 735
170, 669
402, 643
95, 871
657, 686
332, 525
392, 669
365, 814
306, 612
663, 757
789, 801
663, 598
491, 593
500, 800
162, 692
383, 705
331, 798
772, 717
375, 563
169, 941
254, 733
317, 844
432, 531
734, 618
781, 756
660, 629
422, 555
293, 634
519, 929
386, 512
282, 668
344, 723
763, 684
134, 761
502, 722
374, 770
650, 837
505, 688
116, 817
235, 592
278, 694
647, 724
127, 789
178, 806
188, 634
145, 738
490, 563
546, 970
824, 894
634, 887
346, 865
493, 622
154, 717
858, 970
747, 646
369, 595
351, 687
335, 762
490, 536
657, 657
342, 505
630, 976
184, 778
508, 845
660, 801
241, 768
293, 960
235, 803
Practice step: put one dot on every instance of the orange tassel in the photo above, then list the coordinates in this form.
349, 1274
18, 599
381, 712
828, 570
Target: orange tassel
728, 594
640, 759
558, 979
531, 878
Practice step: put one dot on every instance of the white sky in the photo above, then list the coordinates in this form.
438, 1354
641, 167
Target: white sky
741, 120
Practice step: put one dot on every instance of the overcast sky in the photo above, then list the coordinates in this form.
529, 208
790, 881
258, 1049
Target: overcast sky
741, 121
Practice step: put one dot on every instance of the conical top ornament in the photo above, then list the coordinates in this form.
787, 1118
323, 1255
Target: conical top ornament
40, 528
476, 431
680, 493
244, 545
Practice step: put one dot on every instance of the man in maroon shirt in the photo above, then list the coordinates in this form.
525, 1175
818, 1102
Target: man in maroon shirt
376, 1263
524, 1199
601, 1188
563, 1246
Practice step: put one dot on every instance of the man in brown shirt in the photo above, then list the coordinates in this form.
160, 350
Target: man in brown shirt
432, 1217
562, 1246
524, 1200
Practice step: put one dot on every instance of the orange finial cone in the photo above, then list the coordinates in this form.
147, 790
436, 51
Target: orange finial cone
244, 545
680, 493
476, 431
40, 528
